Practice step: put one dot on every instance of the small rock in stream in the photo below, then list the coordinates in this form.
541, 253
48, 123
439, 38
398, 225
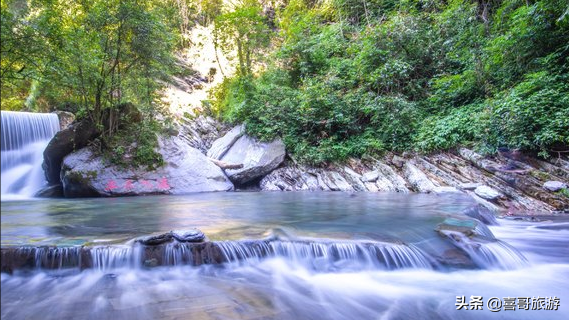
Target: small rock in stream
191, 235
155, 240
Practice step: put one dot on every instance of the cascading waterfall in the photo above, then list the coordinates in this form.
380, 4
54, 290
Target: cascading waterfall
330, 255
24, 138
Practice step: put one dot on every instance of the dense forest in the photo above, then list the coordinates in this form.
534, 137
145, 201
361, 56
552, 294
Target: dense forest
333, 78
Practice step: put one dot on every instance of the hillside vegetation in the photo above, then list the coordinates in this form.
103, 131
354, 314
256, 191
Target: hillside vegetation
334, 78
346, 78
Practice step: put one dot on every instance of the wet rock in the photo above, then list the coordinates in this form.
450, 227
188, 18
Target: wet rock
155, 240
456, 258
222, 145
487, 193
554, 186
186, 170
258, 158
192, 235
151, 263
482, 214
55, 191
75, 137
466, 227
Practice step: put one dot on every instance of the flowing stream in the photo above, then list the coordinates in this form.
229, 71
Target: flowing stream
276, 256
24, 138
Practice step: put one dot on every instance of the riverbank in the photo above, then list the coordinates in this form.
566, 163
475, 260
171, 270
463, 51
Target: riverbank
205, 155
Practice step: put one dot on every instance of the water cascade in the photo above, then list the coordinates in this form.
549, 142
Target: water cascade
24, 138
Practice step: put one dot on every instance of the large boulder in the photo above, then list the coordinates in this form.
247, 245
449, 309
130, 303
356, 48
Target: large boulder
74, 137
257, 158
186, 170
222, 145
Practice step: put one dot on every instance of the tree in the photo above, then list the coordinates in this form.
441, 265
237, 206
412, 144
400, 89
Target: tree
96, 54
245, 30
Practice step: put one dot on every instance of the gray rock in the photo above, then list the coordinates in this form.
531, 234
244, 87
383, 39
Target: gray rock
222, 145
258, 158
440, 190
200, 132
488, 193
389, 180
155, 240
65, 119
290, 178
554, 186
470, 185
335, 181
417, 178
398, 161
370, 186
186, 170
354, 179
192, 235
370, 176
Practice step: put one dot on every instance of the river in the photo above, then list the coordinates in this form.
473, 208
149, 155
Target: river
340, 283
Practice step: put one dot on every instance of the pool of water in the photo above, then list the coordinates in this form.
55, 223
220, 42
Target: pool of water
225, 216
278, 287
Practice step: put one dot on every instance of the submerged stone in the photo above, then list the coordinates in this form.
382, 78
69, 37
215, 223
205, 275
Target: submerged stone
481, 213
466, 227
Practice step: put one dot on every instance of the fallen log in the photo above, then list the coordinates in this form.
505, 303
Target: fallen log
225, 165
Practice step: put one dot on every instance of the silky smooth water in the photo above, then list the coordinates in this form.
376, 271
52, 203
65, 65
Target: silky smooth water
24, 138
294, 283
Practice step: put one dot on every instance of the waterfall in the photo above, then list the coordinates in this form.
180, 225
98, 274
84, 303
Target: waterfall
327, 255
24, 138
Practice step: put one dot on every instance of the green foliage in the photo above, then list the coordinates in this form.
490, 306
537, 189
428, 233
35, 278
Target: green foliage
135, 145
245, 30
350, 78
88, 56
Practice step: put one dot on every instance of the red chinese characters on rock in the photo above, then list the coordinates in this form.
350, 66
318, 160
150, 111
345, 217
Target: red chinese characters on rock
128, 185
111, 185
163, 184
146, 184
